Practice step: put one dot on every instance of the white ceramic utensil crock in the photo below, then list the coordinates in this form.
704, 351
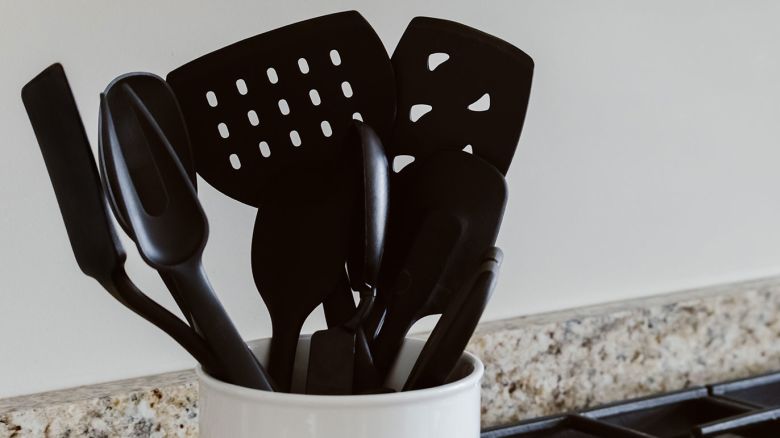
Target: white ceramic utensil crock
448, 411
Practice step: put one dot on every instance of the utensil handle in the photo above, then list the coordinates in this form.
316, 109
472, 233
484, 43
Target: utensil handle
434, 244
129, 295
449, 338
241, 366
281, 358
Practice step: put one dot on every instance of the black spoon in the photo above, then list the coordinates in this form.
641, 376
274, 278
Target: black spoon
448, 208
169, 226
159, 100
74, 176
448, 339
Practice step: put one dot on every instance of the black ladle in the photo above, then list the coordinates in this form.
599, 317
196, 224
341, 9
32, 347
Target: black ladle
169, 226
74, 176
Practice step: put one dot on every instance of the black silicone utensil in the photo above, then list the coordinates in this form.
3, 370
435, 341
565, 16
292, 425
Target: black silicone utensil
331, 357
475, 88
169, 226
448, 339
457, 89
74, 176
268, 117
448, 208
159, 100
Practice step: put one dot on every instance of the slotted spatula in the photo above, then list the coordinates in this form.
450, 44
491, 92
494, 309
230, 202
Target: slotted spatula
267, 117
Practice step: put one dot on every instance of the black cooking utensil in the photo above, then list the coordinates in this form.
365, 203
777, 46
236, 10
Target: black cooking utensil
448, 208
158, 99
298, 252
268, 117
331, 357
458, 89
476, 88
448, 339
169, 227
74, 176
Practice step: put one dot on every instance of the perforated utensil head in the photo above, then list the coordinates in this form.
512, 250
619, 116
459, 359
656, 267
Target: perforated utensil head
282, 97
474, 87
147, 180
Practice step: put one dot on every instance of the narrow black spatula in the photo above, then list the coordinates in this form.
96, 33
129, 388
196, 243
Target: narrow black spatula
74, 176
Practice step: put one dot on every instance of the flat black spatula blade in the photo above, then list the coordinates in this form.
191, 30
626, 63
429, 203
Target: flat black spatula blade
72, 170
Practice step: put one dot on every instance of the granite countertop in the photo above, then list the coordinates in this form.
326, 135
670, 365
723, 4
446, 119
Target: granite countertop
536, 365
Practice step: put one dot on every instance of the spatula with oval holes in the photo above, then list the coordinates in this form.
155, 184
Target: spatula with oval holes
268, 118
459, 89
74, 177
169, 227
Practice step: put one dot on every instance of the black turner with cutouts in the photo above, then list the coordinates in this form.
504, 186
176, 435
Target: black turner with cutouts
462, 97
268, 117
458, 87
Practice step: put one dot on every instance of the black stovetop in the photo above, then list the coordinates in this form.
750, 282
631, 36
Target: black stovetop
747, 408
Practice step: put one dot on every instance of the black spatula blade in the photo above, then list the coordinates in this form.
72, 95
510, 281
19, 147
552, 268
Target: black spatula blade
71, 166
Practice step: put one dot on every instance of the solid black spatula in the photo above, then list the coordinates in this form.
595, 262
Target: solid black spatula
449, 208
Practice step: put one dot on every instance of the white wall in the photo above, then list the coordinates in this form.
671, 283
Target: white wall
649, 161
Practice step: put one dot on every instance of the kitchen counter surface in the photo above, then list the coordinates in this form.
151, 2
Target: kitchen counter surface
535, 365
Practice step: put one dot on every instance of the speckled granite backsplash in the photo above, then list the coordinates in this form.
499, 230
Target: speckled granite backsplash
535, 365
